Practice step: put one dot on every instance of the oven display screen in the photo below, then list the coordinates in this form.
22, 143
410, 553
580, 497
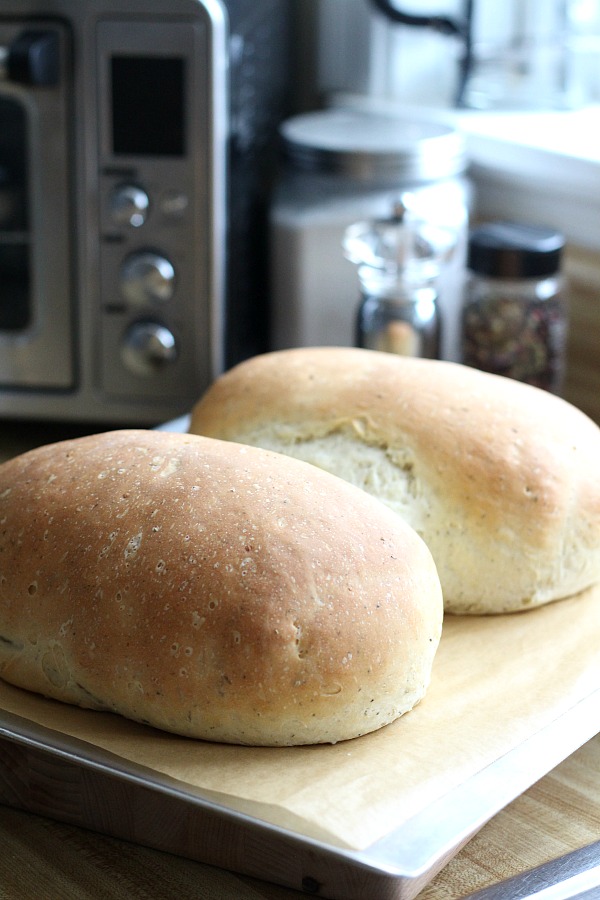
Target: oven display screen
148, 106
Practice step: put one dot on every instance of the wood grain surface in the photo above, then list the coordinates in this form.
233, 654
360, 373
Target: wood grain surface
582, 385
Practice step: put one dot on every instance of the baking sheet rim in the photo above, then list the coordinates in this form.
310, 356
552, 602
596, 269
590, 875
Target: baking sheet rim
408, 852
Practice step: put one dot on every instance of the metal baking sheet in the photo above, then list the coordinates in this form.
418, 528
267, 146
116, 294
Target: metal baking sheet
54, 774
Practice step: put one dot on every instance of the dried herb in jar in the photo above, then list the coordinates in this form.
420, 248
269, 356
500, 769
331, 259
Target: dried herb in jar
514, 320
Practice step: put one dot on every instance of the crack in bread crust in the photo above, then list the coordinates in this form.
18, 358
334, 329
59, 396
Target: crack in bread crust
499, 478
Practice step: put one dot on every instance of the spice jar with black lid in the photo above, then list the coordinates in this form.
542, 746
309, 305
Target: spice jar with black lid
514, 318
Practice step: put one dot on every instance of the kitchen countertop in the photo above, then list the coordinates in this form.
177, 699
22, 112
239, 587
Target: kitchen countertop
42, 857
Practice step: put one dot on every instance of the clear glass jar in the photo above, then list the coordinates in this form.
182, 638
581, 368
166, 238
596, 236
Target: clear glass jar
515, 319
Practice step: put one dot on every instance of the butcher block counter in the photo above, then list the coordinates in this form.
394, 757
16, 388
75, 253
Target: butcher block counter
48, 856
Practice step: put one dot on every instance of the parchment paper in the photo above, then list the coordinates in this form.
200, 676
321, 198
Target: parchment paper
496, 681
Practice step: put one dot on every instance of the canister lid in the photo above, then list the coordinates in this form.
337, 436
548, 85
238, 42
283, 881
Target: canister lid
514, 250
365, 146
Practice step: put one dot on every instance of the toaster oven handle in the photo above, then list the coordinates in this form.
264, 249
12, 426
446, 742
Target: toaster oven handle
33, 58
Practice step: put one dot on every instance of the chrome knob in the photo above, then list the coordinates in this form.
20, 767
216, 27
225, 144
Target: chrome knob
147, 277
148, 347
129, 205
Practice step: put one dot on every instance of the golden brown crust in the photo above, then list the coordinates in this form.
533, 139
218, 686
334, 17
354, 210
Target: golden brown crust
210, 589
498, 477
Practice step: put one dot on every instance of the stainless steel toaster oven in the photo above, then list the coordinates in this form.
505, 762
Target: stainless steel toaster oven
123, 129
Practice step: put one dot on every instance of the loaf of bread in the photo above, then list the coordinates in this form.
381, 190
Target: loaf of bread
213, 590
499, 478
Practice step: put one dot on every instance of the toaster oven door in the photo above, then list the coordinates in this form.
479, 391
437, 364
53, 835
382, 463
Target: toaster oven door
36, 305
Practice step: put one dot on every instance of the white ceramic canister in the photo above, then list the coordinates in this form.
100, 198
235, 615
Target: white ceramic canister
345, 165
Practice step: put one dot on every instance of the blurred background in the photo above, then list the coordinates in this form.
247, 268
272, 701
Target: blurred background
311, 171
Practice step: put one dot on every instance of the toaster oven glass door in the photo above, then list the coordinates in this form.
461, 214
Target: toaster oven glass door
35, 229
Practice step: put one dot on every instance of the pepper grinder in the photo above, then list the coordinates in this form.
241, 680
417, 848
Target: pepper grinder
399, 260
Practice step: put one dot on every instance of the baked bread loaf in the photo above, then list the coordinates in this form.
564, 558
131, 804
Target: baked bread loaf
499, 478
212, 590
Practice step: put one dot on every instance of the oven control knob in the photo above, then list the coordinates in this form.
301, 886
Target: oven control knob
148, 347
34, 58
129, 205
147, 277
